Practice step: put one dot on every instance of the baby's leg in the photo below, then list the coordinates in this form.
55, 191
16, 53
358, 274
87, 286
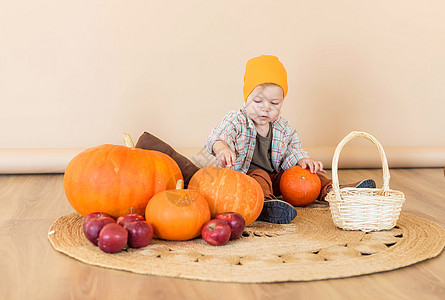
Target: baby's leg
274, 210
263, 178
326, 185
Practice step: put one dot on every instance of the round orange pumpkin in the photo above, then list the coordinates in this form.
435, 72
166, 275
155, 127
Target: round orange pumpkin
114, 179
177, 215
299, 186
227, 190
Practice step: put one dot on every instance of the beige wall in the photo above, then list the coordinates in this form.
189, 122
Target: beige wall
76, 74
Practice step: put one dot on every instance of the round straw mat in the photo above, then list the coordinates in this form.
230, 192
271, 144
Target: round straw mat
309, 248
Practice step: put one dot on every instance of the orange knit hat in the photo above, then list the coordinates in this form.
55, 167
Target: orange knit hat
264, 69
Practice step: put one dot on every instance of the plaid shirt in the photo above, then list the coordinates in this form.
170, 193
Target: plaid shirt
238, 131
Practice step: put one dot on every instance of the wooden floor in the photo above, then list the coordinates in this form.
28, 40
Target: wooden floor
31, 269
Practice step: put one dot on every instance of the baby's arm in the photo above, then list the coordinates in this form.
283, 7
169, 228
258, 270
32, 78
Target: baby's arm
295, 155
221, 137
225, 156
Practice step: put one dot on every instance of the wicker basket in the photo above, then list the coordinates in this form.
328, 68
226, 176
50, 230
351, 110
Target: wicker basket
364, 209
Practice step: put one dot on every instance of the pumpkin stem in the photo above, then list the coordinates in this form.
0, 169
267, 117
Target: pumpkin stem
128, 141
179, 184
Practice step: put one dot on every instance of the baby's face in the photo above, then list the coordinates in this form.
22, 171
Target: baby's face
264, 104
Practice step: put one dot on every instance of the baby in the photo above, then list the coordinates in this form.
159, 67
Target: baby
257, 141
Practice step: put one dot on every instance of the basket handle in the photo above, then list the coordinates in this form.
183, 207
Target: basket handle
353, 134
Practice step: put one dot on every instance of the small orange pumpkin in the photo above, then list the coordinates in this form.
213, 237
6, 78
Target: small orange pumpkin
114, 179
177, 215
299, 186
227, 190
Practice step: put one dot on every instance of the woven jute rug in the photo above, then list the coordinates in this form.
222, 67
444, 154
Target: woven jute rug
309, 248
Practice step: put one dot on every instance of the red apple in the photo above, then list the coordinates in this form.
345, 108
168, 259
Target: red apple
131, 217
113, 238
93, 226
88, 217
235, 221
140, 233
216, 232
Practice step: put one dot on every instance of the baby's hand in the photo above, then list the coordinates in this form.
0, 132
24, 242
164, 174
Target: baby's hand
225, 156
313, 165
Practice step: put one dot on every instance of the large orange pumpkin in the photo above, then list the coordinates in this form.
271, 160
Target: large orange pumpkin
299, 186
177, 215
114, 179
227, 190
